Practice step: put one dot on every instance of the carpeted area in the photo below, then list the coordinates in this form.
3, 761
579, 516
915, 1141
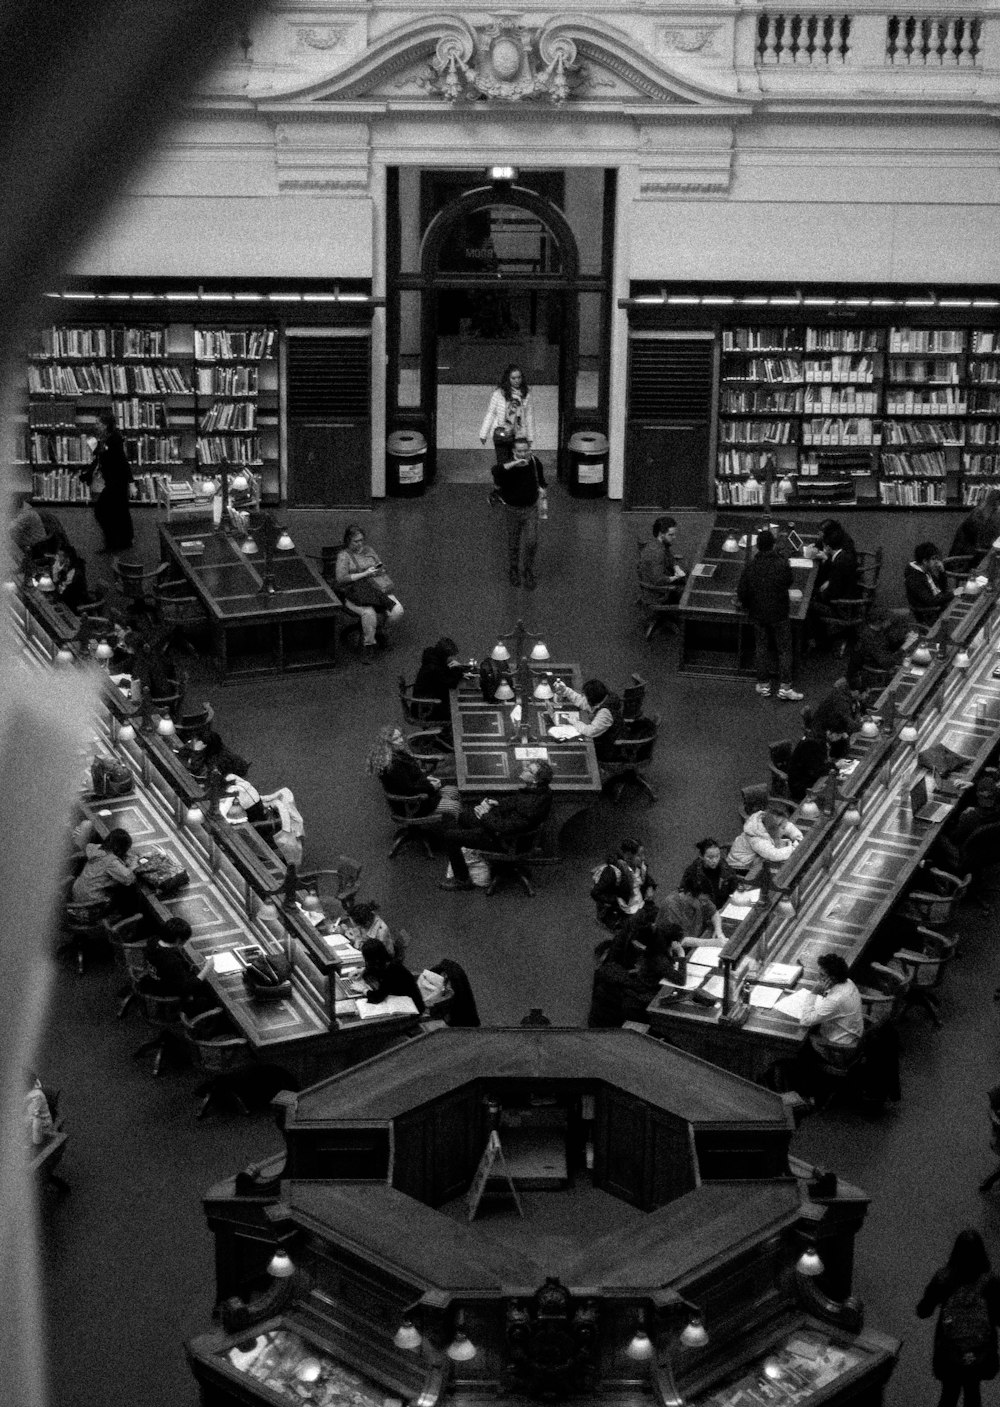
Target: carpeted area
127, 1258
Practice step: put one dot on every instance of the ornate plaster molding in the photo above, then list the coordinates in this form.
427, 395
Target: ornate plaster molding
311, 156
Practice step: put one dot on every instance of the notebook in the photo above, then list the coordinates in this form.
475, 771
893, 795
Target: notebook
392, 1006
794, 1004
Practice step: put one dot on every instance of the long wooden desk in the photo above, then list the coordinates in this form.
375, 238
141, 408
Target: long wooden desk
487, 743
256, 631
843, 879
717, 637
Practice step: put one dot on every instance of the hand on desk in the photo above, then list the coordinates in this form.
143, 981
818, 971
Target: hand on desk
485, 806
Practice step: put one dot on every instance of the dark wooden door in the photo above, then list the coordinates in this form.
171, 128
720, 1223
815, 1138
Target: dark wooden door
669, 422
620, 1146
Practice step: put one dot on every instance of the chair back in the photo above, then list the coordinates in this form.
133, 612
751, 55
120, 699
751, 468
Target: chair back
416, 710
981, 849
753, 798
633, 698
638, 746
85, 918
161, 1010
407, 808
878, 1007
135, 579
328, 564
190, 725
177, 605
925, 970
136, 966
869, 569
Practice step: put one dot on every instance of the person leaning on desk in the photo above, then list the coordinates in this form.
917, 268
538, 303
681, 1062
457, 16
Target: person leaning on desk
834, 1019
601, 711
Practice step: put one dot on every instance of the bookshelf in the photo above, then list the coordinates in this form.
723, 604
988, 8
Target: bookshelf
897, 416
187, 399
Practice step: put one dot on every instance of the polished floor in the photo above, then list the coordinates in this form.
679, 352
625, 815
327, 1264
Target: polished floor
127, 1259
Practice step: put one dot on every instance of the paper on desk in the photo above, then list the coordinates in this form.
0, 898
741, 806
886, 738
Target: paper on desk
737, 912
781, 974
846, 765
765, 997
800, 561
562, 732
226, 962
795, 1004
706, 955
531, 754
714, 987
392, 1006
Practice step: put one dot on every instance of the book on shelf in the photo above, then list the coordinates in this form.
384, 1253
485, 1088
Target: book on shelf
913, 494
775, 432
839, 430
985, 342
254, 344
227, 380
929, 432
762, 339
229, 415
229, 449
941, 371
837, 339
767, 369
929, 464
941, 339
860, 370
74, 341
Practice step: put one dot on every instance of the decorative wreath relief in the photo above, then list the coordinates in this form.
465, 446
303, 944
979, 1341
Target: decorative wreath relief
504, 61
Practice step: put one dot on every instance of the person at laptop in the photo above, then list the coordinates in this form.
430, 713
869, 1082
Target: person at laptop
925, 582
658, 565
387, 977
980, 807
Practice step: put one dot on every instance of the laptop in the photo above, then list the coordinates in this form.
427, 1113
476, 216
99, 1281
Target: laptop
924, 810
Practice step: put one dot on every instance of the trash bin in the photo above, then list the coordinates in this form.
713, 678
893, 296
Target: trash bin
405, 464
588, 464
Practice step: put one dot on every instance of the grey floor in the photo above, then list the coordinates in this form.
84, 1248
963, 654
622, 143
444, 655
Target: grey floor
127, 1258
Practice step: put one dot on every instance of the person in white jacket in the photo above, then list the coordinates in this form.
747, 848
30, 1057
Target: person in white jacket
510, 414
766, 837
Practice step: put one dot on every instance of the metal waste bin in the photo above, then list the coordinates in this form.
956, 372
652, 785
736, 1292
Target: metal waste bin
588, 464
405, 464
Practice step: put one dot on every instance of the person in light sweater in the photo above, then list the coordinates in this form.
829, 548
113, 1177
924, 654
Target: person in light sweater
766, 837
510, 414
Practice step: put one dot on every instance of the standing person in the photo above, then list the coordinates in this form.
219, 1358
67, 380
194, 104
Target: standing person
520, 484
965, 1336
111, 505
658, 564
977, 533
621, 884
763, 593
510, 414
925, 582
366, 588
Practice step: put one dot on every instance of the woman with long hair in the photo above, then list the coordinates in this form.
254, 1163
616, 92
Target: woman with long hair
510, 415
399, 770
366, 588
965, 1338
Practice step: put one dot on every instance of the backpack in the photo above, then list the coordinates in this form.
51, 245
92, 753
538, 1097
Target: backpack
967, 1335
110, 777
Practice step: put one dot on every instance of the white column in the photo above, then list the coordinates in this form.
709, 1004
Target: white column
628, 191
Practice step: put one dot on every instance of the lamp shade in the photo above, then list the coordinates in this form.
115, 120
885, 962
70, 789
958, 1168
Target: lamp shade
45, 582
731, 544
248, 546
962, 659
165, 727
195, 816
908, 733
126, 733
311, 901
869, 728
267, 911
285, 543
694, 1334
103, 651
809, 810
500, 651
407, 1336
809, 1262
543, 690
206, 488
852, 816
461, 1349
505, 175
921, 655
280, 1266
64, 656
504, 692
540, 651
239, 483
785, 907
640, 1345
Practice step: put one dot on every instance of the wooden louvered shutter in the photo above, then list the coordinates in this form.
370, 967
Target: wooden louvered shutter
328, 400
668, 431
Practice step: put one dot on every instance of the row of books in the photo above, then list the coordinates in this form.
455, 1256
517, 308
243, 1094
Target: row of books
912, 495
777, 432
254, 344
982, 463
59, 449
140, 415
844, 400
940, 339
760, 339
109, 378
736, 463
760, 402
841, 339
229, 449
52, 414
929, 464
860, 370
840, 431
983, 433
61, 486
127, 342
942, 370
154, 449
910, 402
229, 415
987, 373
929, 432
975, 493
227, 380
768, 369
984, 403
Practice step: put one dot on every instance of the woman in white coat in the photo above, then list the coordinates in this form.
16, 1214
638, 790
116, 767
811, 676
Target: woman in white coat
510, 414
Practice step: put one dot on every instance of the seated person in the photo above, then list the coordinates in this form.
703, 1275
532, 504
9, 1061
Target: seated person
387, 977
834, 1019
108, 874
838, 716
926, 584
39, 1125
621, 884
171, 974
982, 808
977, 533
765, 836
440, 672
35, 534
401, 774
369, 924
658, 566
836, 582
694, 914
832, 527
664, 956
881, 644
69, 576
495, 821
366, 588
709, 875
213, 753
601, 714
811, 759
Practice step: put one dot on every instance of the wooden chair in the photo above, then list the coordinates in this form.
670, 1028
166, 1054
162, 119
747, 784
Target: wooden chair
515, 859
883, 993
417, 711
633, 699
630, 758
84, 931
869, 570
410, 825
757, 797
334, 888
980, 852
779, 754
222, 1055
875, 681
169, 702
925, 970
180, 612
163, 1014
959, 568
661, 606
936, 907
138, 582
130, 952
196, 724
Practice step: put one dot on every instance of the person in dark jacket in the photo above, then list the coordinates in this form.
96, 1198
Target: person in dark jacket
387, 977
926, 584
763, 593
440, 671
401, 774
602, 718
710, 874
171, 974
493, 822
810, 760
836, 582
837, 715
520, 486
880, 645
462, 1009
111, 507
967, 1293
977, 533
621, 884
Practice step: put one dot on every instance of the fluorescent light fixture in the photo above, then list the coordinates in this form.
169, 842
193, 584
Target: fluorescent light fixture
181, 297
321, 297
883, 302
753, 300
918, 302
80, 296
785, 302
215, 297
857, 302
53, 295
117, 297
285, 297
656, 298
354, 297
986, 302
819, 302
712, 298
503, 174
682, 298
954, 302
247, 297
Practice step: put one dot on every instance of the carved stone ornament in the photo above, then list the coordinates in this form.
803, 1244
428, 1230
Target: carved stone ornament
321, 37
692, 39
504, 61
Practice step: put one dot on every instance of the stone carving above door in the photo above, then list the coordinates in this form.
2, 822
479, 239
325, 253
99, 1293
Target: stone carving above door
504, 60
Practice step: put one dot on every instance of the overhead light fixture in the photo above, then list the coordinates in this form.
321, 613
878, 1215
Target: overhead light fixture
407, 1336
540, 651
285, 543
280, 1266
500, 651
502, 175
640, 1345
126, 733
461, 1349
809, 1262
712, 299
195, 816
694, 1334
683, 298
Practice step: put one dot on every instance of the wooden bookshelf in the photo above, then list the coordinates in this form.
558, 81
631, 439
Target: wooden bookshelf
236, 381
898, 416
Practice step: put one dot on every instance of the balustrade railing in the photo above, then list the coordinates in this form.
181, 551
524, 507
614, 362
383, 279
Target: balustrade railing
789, 39
804, 40
918, 41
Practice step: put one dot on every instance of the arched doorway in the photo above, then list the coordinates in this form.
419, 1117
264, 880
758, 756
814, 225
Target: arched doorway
495, 278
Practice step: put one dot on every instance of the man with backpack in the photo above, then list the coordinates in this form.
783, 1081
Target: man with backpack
965, 1337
